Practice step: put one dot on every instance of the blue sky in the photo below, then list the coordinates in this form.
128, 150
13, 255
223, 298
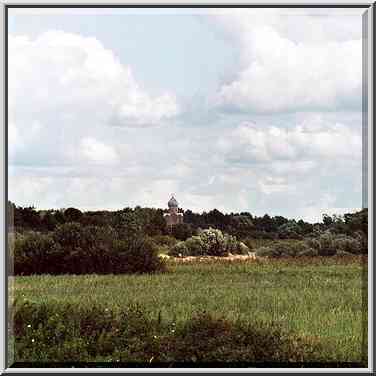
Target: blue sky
251, 110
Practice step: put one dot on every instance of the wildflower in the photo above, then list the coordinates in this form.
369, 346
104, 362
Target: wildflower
32, 340
29, 326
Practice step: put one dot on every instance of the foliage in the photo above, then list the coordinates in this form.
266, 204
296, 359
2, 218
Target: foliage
266, 252
182, 231
150, 222
209, 242
348, 244
72, 214
137, 255
76, 249
302, 294
285, 248
164, 240
35, 253
180, 249
64, 332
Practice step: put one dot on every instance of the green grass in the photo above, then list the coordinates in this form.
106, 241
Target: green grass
320, 300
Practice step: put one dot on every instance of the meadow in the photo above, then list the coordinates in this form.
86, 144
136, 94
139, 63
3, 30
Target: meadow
320, 300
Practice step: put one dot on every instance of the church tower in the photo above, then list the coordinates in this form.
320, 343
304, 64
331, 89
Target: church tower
173, 217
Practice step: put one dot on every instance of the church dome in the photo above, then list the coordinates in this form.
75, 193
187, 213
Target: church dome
173, 203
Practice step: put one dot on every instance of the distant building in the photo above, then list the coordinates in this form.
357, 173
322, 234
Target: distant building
173, 217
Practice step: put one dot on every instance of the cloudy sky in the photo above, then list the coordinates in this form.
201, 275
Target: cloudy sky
253, 110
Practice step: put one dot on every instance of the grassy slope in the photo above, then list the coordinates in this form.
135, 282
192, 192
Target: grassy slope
322, 300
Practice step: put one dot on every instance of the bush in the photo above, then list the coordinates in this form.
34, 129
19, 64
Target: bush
62, 332
138, 255
215, 243
363, 240
36, 253
182, 231
164, 240
179, 250
328, 244
87, 249
249, 242
348, 245
285, 249
242, 249
195, 246
266, 252
308, 251
77, 249
297, 248
209, 242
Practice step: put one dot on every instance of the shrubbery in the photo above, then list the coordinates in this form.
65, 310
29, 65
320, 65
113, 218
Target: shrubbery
326, 244
76, 249
35, 253
209, 242
137, 255
69, 333
285, 248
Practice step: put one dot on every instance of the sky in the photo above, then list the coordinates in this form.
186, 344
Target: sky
256, 110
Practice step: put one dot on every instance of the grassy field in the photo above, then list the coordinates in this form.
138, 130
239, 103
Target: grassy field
319, 298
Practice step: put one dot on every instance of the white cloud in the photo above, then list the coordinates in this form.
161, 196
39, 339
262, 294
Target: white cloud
303, 143
70, 75
98, 152
65, 90
281, 70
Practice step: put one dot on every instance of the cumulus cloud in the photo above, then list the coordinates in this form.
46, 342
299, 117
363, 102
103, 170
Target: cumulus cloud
65, 90
75, 76
284, 71
302, 143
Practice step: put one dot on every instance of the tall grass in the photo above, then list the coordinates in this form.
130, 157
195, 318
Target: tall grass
322, 301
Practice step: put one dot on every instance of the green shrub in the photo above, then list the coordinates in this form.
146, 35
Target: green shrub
165, 240
182, 231
213, 242
308, 251
195, 246
77, 249
87, 249
209, 242
242, 249
138, 255
327, 245
348, 245
363, 240
344, 253
179, 249
205, 339
313, 243
250, 243
36, 253
216, 243
297, 248
266, 252
62, 332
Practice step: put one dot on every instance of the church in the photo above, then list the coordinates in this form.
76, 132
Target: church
173, 217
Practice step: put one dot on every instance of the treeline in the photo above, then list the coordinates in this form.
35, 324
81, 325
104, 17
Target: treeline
151, 222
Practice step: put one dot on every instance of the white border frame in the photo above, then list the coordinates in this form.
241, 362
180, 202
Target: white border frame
3, 160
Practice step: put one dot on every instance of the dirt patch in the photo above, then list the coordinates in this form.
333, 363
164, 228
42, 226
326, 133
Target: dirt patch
229, 258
